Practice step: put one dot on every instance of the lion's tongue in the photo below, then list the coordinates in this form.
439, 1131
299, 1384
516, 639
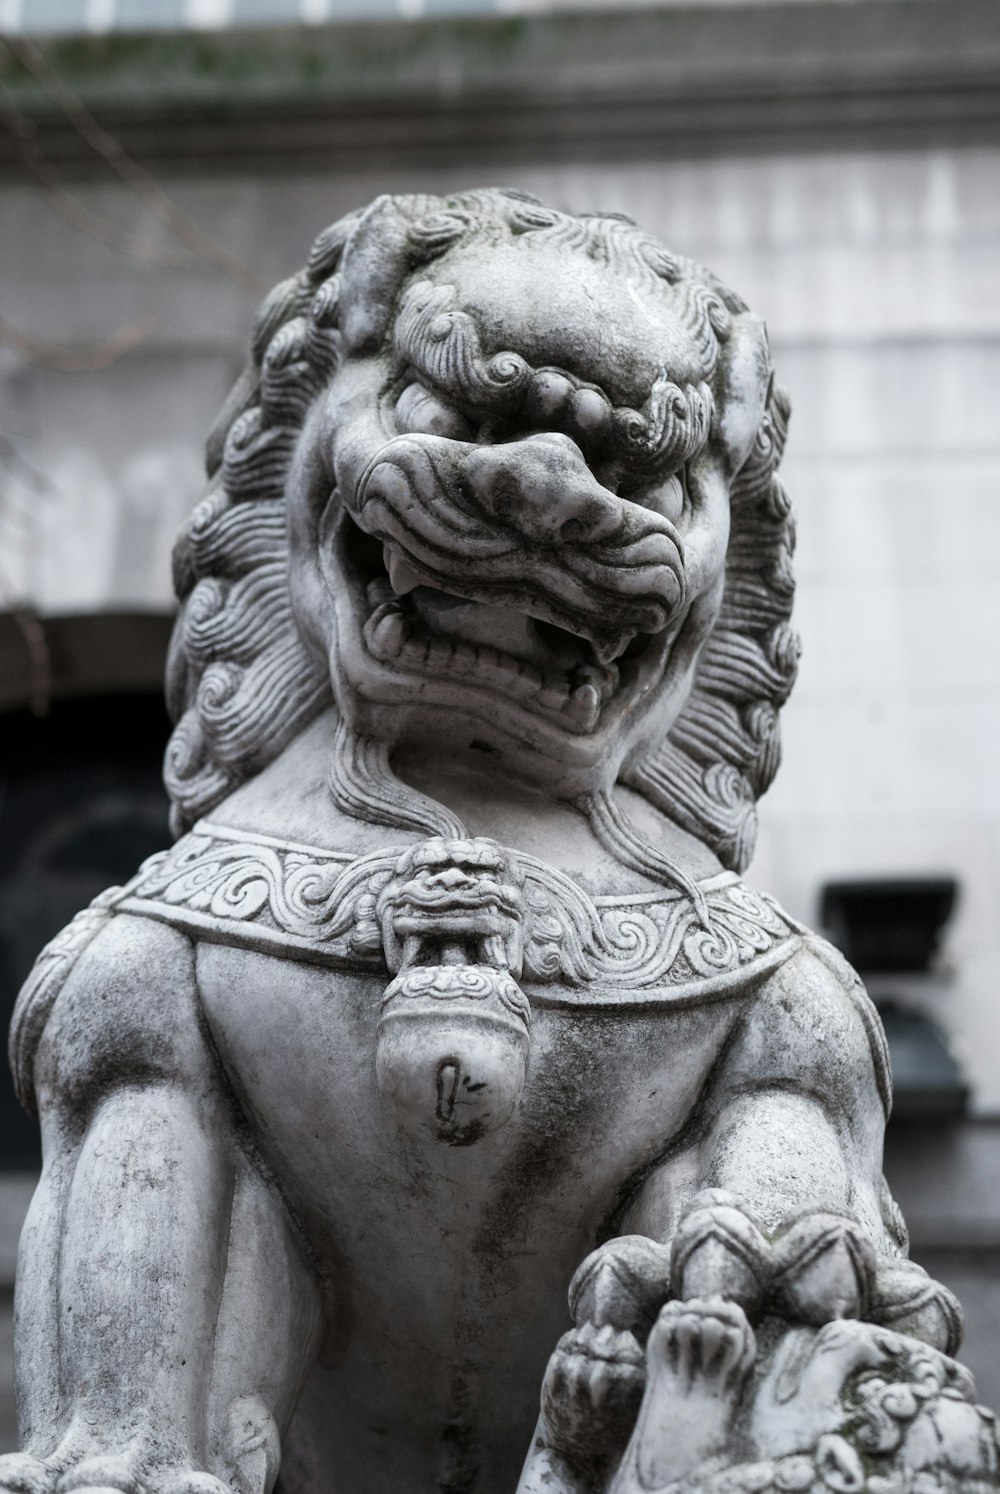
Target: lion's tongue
486, 625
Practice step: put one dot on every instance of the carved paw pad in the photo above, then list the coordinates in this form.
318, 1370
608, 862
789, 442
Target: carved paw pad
705, 1343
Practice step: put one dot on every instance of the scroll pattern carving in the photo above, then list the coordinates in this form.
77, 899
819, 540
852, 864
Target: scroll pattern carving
321, 905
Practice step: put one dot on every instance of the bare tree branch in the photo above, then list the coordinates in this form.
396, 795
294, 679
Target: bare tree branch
25, 139
33, 59
82, 359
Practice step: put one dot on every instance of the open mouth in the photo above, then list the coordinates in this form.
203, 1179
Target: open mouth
423, 630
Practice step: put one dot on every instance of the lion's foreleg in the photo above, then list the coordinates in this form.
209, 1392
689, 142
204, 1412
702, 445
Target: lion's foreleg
270, 1323
36, 1308
144, 1348
140, 1274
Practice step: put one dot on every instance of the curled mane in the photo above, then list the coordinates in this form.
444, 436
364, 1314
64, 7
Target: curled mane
243, 681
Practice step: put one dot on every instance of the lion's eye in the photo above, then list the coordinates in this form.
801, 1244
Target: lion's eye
419, 412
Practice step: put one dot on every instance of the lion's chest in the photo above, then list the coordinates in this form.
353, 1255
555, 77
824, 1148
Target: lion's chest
458, 1064
603, 1091
448, 1265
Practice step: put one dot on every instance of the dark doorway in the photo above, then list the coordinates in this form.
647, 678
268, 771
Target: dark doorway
81, 805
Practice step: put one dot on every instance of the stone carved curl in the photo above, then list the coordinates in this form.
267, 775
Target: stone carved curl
327, 907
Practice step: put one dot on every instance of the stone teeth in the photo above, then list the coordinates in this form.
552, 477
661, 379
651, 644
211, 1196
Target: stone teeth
387, 632
554, 693
378, 591
604, 678
466, 657
525, 679
584, 705
440, 652
402, 575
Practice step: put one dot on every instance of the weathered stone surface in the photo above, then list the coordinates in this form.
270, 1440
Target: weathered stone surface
450, 1008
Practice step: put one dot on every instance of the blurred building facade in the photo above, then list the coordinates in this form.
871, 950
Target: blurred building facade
836, 161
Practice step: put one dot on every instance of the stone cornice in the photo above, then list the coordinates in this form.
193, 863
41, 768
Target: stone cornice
683, 81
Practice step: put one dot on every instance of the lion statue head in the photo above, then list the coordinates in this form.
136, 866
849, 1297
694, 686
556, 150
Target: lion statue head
501, 477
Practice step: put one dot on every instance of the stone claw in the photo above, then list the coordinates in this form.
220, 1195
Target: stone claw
698, 1358
909, 1301
823, 1268
720, 1251
623, 1284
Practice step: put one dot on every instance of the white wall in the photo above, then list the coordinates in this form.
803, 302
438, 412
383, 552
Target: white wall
879, 276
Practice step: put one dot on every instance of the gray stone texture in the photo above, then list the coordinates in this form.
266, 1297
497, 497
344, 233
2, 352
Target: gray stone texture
874, 263
449, 1007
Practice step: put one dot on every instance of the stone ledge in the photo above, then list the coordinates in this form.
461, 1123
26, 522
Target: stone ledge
683, 81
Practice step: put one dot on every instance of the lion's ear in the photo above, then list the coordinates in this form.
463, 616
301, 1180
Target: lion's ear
743, 382
376, 261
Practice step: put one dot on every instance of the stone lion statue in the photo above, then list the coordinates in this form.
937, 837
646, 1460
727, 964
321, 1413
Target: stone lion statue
443, 1112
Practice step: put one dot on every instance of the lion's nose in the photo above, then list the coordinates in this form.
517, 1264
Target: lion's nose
450, 877
543, 487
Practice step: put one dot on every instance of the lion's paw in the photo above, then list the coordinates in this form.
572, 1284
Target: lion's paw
699, 1355
816, 1267
591, 1393
701, 1348
64, 1473
103, 1473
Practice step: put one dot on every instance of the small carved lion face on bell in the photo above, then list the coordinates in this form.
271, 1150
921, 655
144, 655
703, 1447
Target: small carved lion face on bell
454, 1030
453, 902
